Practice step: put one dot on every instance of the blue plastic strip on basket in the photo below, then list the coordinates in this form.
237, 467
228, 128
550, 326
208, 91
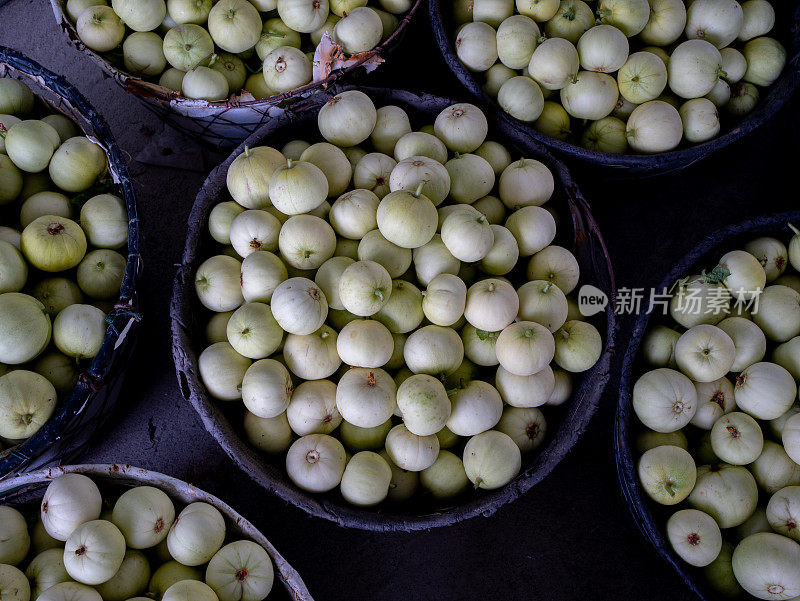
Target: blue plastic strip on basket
126, 308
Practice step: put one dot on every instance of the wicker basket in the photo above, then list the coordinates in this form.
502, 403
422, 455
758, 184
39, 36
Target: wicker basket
649, 518
29, 488
222, 124
572, 417
622, 165
83, 411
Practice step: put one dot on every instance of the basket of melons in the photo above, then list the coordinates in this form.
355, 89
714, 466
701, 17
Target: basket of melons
377, 311
69, 260
122, 533
707, 432
639, 86
218, 70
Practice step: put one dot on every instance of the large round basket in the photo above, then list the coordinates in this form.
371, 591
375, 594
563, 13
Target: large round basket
570, 419
648, 518
622, 165
224, 124
28, 489
83, 411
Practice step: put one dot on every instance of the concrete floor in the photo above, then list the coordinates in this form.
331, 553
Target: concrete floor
567, 539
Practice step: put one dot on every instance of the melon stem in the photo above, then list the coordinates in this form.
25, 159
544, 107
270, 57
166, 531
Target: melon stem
200, 62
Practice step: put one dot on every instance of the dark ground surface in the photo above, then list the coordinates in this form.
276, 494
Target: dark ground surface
569, 538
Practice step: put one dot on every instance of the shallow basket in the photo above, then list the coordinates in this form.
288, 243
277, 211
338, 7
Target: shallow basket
650, 519
29, 489
622, 165
222, 124
84, 410
188, 327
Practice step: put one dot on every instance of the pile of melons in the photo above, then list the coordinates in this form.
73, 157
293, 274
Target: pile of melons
388, 304
54, 295
211, 50
621, 75
129, 547
720, 403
